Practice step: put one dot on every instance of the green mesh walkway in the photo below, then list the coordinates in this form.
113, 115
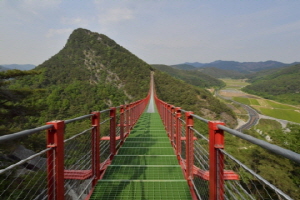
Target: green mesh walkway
145, 167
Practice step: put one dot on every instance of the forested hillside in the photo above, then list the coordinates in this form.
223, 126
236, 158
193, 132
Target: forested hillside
183, 67
282, 85
192, 98
192, 77
93, 72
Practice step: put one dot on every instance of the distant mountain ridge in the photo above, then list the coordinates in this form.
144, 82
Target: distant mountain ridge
193, 77
221, 73
3, 68
281, 85
183, 67
242, 67
18, 66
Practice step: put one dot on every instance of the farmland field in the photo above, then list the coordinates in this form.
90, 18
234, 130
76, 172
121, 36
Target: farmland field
272, 109
264, 106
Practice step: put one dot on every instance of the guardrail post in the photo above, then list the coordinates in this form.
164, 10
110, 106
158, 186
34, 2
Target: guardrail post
96, 146
165, 116
122, 123
127, 119
112, 115
168, 119
178, 132
172, 123
189, 145
216, 161
55, 160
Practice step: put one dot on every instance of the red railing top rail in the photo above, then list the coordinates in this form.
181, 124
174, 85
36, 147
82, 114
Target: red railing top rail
271, 147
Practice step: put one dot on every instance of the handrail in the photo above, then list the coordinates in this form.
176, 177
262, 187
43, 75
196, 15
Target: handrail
20, 134
216, 175
271, 147
77, 118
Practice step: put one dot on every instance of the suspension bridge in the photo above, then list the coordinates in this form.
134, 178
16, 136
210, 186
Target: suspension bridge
147, 149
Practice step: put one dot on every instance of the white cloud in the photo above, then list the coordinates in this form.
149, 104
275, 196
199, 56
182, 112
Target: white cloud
116, 15
78, 21
54, 32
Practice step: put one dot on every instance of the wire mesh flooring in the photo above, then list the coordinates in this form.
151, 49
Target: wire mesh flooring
145, 166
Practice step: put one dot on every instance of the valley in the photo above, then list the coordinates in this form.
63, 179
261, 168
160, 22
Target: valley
267, 109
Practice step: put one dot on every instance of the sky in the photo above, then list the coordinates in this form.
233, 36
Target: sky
157, 31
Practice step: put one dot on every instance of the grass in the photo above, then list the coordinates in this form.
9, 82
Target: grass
254, 102
268, 125
272, 108
289, 115
235, 83
242, 100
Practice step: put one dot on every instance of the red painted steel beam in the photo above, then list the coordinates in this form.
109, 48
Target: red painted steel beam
189, 145
216, 161
122, 123
178, 132
96, 146
112, 134
55, 160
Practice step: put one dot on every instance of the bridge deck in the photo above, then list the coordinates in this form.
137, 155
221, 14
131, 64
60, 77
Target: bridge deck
145, 167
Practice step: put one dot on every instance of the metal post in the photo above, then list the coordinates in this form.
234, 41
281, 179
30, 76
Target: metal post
122, 123
165, 116
172, 124
55, 160
189, 145
178, 132
168, 119
216, 161
96, 146
112, 115
127, 119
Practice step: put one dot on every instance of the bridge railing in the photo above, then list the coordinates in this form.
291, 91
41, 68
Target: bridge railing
71, 164
211, 172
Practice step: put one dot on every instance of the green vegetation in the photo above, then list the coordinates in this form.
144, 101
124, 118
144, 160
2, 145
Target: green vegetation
221, 73
93, 72
192, 77
14, 104
280, 85
272, 109
191, 98
234, 83
289, 115
279, 171
183, 67
242, 100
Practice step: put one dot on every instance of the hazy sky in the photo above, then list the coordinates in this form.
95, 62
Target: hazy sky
157, 31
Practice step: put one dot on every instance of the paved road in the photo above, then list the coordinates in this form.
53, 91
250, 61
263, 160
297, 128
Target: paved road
253, 114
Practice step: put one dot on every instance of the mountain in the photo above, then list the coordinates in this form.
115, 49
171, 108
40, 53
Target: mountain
20, 67
183, 66
242, 67
195, 64
3, 68
221, 73
93, 72
192, 77
282, 85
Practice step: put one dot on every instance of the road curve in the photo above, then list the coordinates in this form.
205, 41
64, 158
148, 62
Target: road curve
253, 114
